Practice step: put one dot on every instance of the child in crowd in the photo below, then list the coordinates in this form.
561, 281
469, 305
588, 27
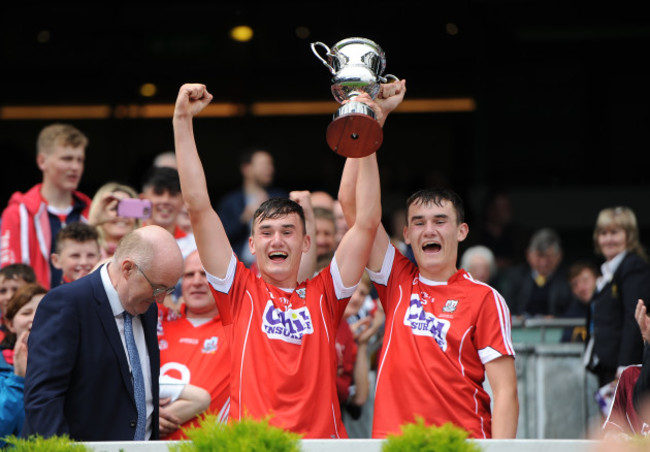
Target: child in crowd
19, 316
12, 277
77, 251
582, 276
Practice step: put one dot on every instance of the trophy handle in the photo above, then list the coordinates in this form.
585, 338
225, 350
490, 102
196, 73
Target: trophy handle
389, 78
313, 49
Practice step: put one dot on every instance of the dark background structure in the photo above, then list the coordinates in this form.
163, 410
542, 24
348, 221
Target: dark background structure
560, 88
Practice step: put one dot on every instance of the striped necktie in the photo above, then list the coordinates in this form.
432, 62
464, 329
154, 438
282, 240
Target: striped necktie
136, 376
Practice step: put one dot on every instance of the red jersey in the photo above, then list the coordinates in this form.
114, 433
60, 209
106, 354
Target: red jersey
438, 336
26, 234
198, 355
623, 417
283, 349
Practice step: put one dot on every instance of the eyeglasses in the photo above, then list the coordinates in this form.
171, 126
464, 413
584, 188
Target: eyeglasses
157, 291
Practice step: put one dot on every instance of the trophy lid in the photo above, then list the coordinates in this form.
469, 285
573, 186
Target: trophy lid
357, 50
359, 40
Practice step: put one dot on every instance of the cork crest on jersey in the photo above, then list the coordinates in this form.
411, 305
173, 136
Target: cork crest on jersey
210, 345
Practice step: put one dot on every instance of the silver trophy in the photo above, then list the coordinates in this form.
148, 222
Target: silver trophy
357, 65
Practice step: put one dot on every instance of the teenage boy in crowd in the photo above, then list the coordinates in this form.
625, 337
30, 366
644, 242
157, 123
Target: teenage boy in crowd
31, 220
77, 251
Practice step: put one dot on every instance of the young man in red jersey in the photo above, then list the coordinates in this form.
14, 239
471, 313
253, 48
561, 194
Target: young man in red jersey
282, 334
444, 330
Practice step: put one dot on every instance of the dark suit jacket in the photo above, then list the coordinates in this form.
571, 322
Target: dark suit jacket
617, 338
520, 285
78, 381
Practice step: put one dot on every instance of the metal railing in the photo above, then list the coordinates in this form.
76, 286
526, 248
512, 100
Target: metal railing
542, 328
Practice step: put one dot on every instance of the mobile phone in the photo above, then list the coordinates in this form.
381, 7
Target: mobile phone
134, 208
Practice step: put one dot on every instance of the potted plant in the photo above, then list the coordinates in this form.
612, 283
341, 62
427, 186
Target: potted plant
247, 434
37, 443
422, 438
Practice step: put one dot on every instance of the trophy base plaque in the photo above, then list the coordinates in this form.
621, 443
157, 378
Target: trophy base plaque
354, 132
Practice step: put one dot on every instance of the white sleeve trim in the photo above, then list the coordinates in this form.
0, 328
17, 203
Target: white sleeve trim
339, 289
224, 285
488, 354
381, 277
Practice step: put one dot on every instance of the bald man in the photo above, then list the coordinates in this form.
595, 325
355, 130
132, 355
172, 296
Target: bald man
84, 378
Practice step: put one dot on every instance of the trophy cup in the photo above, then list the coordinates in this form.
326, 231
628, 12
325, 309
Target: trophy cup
357, 65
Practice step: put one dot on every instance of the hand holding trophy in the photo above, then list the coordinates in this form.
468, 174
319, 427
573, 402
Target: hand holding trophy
357, 65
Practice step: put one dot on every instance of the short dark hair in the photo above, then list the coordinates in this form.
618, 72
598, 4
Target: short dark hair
279, 207
161, 179
246, 154
577, 267
19, 270
436, 196
77, 232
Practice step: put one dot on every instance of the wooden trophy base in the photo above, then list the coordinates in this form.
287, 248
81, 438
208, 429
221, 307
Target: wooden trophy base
354, 135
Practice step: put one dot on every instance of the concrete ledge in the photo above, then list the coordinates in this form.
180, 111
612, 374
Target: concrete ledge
372, 445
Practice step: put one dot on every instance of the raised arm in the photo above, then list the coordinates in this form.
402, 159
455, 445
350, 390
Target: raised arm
643, 320
641, 394
390, 97
347, 198
308, 261
211, 239
352, 253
